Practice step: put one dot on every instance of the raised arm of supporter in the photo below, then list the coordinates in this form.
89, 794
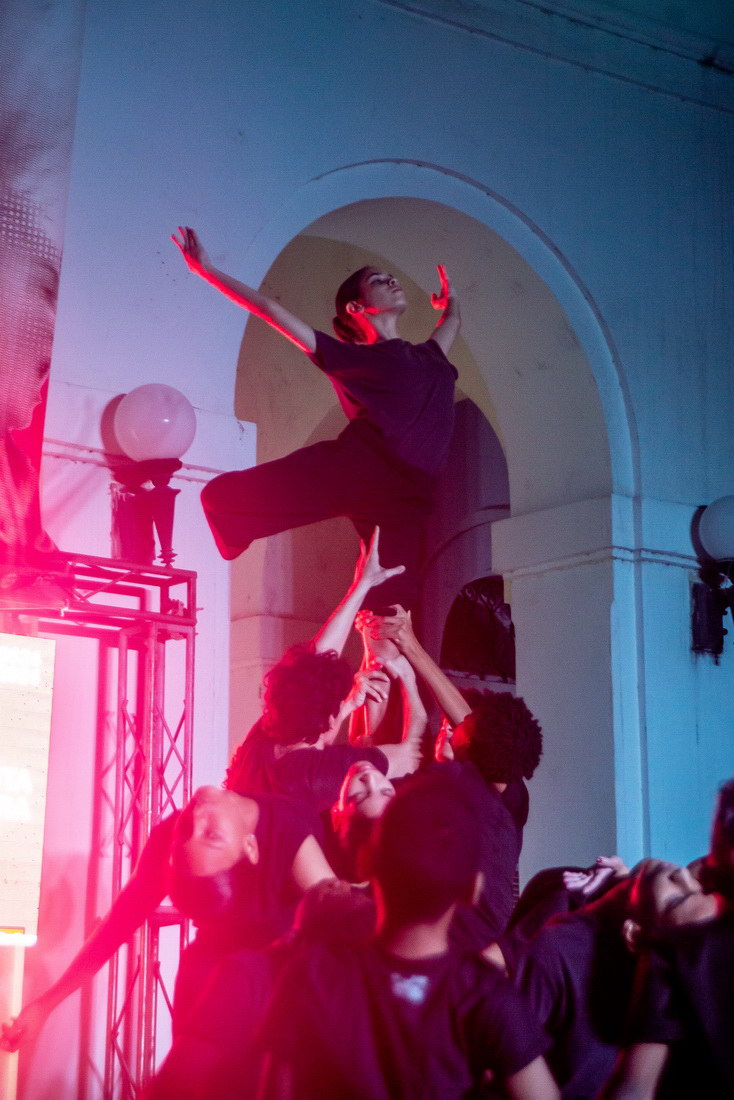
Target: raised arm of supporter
637, 1073
404, 758
267, 309
448, 326
415, 718
399, 628
310, 865
366, 722
367, 575
534, 1082
140, 897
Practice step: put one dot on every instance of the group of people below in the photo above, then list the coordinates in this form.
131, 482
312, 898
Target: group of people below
358, 932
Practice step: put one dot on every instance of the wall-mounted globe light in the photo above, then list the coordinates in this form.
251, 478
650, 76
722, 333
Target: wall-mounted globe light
713, 595
155, 421
154, 426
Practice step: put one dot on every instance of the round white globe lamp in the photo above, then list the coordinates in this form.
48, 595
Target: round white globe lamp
716, 529
154, 425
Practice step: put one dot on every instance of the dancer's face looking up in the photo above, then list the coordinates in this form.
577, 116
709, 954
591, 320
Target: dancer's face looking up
379, 292
222, 831
365, 792
666, 895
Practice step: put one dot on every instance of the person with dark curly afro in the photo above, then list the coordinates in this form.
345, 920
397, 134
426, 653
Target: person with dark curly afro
490, 743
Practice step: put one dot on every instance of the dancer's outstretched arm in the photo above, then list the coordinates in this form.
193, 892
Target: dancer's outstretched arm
448, 327
139, 898
276, 315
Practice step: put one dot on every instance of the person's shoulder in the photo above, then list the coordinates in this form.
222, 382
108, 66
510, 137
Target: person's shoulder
434, 349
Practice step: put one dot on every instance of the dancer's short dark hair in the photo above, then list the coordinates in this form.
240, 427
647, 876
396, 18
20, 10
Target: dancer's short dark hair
205, 898
425, 850
505, 739
349, 291
302, 693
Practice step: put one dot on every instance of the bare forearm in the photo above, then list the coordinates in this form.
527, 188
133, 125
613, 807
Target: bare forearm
448, 326
414, 713
335, 631
270, 311
447, 695
128, 912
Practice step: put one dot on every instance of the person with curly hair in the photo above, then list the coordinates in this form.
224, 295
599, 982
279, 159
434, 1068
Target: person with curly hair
290, 750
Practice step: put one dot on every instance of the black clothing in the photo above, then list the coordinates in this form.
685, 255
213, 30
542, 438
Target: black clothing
312, 776
576, 974
355, 1022
379, 471
501, 818
685, 999
404, 390
264, 911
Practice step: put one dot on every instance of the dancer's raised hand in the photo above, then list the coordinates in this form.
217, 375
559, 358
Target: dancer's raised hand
441, 300
191, 249
369, 572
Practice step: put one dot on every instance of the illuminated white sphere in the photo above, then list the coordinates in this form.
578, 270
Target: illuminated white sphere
716, 529
154, 421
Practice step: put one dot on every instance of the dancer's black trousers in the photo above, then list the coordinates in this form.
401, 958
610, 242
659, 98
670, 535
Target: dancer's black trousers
349, 476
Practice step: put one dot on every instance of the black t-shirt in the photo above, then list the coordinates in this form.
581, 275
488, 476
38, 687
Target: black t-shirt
404, 390
576, 974
355, 1022
685, 999
264, 910
312, 776
500, 818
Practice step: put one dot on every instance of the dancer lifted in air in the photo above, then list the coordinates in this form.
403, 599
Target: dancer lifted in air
381, 471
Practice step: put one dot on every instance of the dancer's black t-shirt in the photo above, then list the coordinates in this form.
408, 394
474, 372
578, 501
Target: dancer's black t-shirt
355, 1022
404, 390
685, 999
311, 776
577, 974
500, 819
266, 906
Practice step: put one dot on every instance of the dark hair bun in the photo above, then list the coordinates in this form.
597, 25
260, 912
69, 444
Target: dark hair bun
344, 330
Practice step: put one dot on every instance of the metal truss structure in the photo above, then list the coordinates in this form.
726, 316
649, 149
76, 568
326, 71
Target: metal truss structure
146, 616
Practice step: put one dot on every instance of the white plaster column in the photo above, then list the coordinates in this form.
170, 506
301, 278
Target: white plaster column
563, 574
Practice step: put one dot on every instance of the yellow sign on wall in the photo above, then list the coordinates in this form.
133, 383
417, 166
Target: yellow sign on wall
26, 691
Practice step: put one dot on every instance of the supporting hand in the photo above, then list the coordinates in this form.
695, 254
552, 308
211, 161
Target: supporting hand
397, 628
369, 683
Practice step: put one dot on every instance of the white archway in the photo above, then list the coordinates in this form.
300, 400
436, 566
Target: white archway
571, 563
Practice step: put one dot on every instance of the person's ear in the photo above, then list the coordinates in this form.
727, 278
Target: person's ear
250, 849
355, 307
631, 934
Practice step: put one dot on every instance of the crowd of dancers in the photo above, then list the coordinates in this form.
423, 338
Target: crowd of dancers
358, 933
353, 883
